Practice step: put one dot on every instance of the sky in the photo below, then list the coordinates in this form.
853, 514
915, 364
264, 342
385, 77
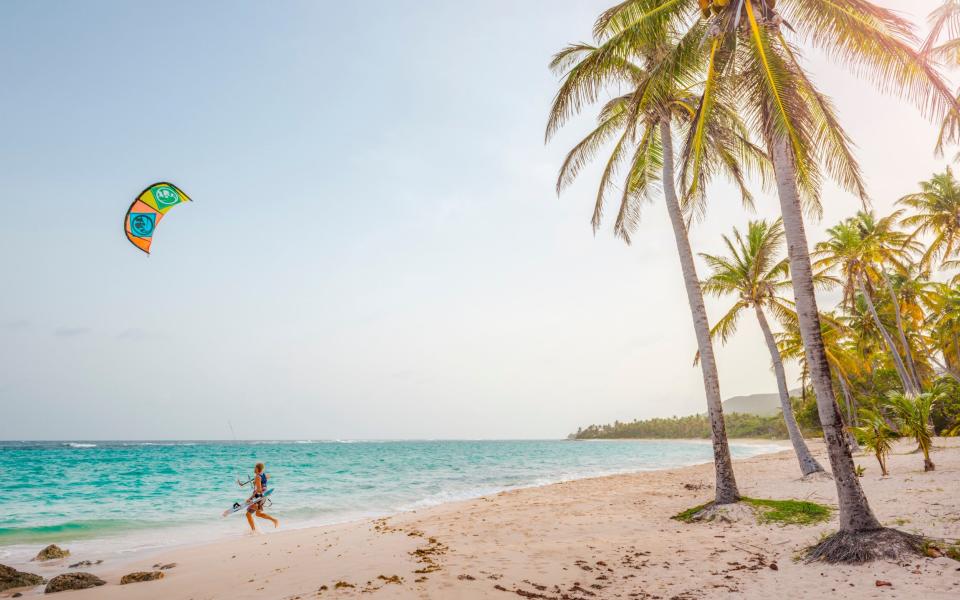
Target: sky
375, 248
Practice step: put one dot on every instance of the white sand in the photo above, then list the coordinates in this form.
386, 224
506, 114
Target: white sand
608, 537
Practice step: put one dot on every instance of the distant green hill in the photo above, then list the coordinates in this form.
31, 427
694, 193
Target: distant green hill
764, 405
753, 416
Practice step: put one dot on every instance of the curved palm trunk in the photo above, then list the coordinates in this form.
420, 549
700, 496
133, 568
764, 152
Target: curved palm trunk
908, 387
883, 463
943, 366
855, 513
911, 365
808, 464
851, 413
726, 487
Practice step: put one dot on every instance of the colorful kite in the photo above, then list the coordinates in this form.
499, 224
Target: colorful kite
145, 213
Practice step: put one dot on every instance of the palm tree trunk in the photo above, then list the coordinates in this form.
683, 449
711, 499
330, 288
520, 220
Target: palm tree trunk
908, 388
855, 512
903, 336
851, 413
808, 464
726, 487
945, 367
956, 347
846, 398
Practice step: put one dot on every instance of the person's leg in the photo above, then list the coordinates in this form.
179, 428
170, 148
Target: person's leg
253, 527
264, 515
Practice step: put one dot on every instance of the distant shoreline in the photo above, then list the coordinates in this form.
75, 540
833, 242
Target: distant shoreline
785, 443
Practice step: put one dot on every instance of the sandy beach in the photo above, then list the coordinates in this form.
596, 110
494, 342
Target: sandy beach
607, 537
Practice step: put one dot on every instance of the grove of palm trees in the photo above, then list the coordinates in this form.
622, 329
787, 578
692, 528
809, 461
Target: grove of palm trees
691, 92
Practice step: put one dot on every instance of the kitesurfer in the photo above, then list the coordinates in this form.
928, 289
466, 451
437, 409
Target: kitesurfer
256, 507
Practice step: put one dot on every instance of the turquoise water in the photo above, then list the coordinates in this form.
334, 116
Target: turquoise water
123, 496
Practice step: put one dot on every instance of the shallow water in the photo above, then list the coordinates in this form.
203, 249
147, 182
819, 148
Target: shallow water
121, 497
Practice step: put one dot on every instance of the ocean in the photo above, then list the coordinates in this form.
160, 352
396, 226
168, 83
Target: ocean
108, 499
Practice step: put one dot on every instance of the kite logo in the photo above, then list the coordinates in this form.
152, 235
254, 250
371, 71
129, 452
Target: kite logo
142, 224
165, 196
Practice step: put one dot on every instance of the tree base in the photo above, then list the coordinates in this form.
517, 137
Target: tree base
858, 547
725, 513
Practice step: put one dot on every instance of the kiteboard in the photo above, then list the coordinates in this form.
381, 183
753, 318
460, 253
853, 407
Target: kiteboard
237, 506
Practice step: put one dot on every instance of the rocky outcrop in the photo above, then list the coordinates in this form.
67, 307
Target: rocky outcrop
73, 581
12, 578
138, 576
52, 552
85, 563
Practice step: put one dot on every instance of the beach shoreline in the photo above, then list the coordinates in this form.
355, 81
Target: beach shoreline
128, 533
612, 532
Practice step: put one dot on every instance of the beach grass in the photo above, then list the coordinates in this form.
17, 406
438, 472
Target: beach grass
789, 512
782, 512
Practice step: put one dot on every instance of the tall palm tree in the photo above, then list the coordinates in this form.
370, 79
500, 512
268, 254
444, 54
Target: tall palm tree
749, 55
912, 289
942, 39
756, 274
937, 213
944, 326
639, 124
943, 45
861, 248
843, 360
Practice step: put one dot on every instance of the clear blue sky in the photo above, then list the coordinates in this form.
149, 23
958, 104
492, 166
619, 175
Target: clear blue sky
375, 248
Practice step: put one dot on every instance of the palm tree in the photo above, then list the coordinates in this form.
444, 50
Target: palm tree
876, 435
748, 56
756, 274
937, 213
942, 45
946, 18
914, 292
861, 247
639, 125
944, 326
841, 358
913, 415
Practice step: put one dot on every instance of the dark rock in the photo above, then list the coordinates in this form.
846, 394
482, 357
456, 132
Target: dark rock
52, 552
164, 567
17, 595
85, 563
12, 578
139, 576
73, 581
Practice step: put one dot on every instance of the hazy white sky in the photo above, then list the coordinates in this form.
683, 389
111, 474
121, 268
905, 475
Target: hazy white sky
375, 249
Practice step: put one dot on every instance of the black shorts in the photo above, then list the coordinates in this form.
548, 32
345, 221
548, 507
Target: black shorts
258, 505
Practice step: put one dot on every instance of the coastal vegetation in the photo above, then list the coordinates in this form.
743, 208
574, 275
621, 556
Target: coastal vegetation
757, 275
727, 79
738, 425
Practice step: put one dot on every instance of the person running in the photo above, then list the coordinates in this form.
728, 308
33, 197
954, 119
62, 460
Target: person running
259, 487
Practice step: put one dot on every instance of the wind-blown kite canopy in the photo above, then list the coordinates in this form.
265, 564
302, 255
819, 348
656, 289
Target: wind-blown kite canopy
145, 213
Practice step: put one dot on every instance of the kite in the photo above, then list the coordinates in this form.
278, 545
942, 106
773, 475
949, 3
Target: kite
145, 213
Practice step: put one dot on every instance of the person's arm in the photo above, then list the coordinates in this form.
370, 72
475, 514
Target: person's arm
257, 485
